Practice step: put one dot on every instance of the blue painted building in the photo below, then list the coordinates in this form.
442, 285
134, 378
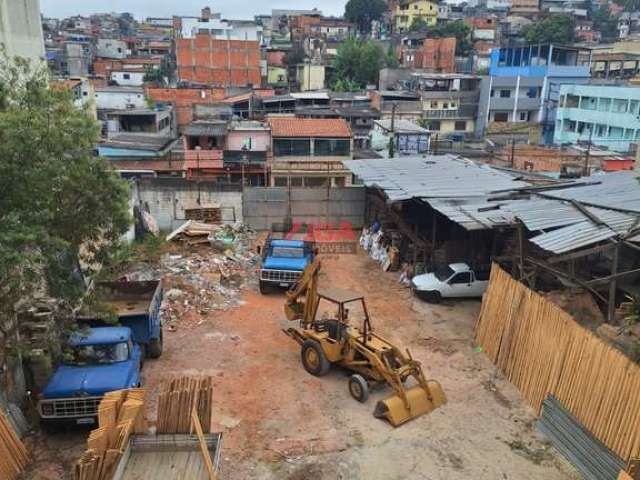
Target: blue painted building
608, 116
524, 82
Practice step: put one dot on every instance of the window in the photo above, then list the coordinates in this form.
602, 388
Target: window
434, 104
433, 125
445, 105
280, 181
460, 126
523, 116
284, 147
505, 93
329, 147
126, 76
316, 181
500, 117
461, 278
493, 92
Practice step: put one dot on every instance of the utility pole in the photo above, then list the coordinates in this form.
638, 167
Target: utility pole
392, 141
585, 172
513, 151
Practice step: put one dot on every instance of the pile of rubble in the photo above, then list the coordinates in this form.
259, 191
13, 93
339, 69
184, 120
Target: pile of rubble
202, 277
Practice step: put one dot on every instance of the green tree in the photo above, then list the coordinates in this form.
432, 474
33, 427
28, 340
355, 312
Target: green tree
359, 61
57, 198
557, 28
458, 29
605, 23
363, 12
419, 24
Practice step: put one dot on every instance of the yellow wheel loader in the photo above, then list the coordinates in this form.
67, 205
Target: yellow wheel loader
374, 360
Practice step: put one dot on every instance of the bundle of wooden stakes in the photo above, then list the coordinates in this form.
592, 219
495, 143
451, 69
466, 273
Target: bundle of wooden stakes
120, 414
178, 398
13, 454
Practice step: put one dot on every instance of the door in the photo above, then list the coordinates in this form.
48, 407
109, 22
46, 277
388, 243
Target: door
460, 285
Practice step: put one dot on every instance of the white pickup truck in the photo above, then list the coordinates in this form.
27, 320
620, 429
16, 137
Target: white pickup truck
457, 280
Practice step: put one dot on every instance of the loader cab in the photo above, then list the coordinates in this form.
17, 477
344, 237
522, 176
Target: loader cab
337, 310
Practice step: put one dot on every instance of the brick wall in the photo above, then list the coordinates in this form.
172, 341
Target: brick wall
437, 55
226, 63
184, 99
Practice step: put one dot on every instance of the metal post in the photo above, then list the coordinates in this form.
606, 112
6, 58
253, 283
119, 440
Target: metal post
588, 152
613, 285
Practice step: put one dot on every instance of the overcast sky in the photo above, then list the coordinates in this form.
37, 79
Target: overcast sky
237, 9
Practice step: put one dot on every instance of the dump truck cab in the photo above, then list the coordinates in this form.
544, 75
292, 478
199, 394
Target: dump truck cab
96, 361
283, 262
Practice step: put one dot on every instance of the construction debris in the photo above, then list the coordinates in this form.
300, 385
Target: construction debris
180, 397
120, 414
13, 454
199, 279
193, 232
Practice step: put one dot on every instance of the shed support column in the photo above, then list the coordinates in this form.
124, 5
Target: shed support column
613, 285
433, 239
520, 251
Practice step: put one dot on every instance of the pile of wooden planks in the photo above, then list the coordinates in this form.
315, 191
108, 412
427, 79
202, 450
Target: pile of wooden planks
178, 398
192, 232
543, 351
204, 213
120, 414
13, 454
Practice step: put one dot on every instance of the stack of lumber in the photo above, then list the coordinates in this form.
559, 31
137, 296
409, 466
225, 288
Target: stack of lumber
13, 454
204, 213
178, 398
543, 351
120, 414
192, 232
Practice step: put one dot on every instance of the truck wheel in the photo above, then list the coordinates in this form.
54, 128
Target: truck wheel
264, 288
313, 358
154, 349
358, 388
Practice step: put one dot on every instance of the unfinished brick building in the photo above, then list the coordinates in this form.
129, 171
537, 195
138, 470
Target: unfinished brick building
437, 55
223, 63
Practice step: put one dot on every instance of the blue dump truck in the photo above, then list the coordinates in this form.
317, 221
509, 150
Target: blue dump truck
97, 361
101, 358
283, 262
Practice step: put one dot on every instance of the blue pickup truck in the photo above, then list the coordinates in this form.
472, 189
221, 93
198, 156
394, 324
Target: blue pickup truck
283, 262
101, 357
97, 361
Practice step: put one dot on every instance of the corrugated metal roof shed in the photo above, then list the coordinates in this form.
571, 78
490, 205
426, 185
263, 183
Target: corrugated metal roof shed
586, 232
433, 176
616, 190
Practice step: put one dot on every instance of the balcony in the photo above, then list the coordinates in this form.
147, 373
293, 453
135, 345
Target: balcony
463, 112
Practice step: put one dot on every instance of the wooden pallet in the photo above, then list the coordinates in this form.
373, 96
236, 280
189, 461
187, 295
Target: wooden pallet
120, 414
178, 397
13, 453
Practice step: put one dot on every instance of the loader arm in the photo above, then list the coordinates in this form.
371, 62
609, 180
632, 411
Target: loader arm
302, 299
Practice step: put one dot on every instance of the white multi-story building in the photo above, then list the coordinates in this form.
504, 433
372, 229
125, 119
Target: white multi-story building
21, 29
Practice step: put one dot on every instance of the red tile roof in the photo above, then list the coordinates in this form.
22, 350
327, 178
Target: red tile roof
309, 127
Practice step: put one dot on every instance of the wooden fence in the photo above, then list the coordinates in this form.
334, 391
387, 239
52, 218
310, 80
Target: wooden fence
543, 351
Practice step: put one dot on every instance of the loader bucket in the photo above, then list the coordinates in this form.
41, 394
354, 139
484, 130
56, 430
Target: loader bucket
394, 410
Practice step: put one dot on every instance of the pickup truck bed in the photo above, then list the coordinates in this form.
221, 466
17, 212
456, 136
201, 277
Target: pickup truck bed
167, 457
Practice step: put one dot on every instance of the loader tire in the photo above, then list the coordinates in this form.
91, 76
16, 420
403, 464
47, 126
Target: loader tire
358, 388
313, 358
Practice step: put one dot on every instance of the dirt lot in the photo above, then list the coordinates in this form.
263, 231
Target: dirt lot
281, 423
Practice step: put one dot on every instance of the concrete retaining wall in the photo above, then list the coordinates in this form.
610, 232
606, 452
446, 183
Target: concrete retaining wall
338, 207
166, 199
